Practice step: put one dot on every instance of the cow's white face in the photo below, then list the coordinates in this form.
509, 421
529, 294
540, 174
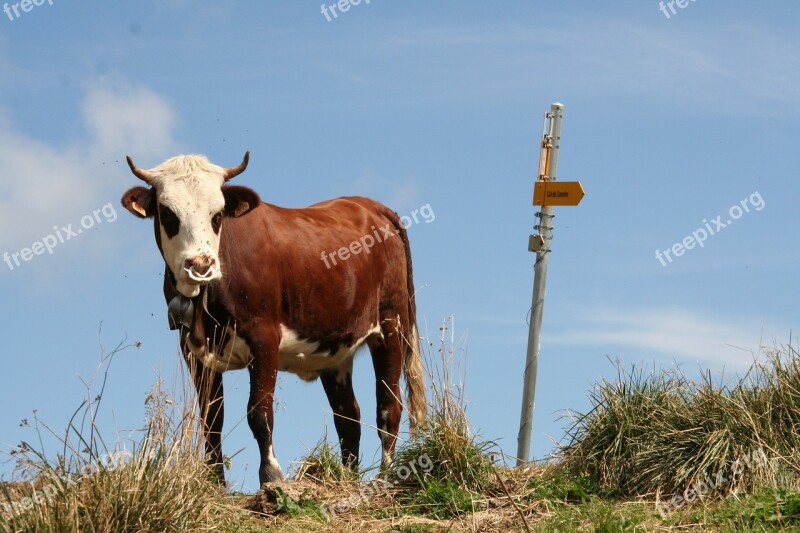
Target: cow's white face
190, 209
189, 203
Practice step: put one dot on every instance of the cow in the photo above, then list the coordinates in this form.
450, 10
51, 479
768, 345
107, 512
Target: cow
256, 286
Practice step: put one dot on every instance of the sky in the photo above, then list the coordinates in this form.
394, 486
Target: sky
679, 122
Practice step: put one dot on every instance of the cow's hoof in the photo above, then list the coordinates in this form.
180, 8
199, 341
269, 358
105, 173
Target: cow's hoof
270, 474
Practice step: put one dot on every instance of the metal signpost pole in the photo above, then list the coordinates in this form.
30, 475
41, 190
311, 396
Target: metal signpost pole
548, 164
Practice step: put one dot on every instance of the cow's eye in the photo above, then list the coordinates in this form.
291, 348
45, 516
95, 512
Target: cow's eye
216, 222
169, 220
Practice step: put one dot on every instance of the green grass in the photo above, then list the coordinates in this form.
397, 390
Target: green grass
323, 463
558, 487
440, 500
444, 466
660, 434
301, 507
445, 447
765, 510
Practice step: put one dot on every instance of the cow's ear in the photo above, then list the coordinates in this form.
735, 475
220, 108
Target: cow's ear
239, 200
140, 201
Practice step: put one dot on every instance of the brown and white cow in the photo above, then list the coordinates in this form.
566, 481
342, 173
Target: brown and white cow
250, 286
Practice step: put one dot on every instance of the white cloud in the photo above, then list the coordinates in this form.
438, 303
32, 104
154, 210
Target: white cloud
47, 184
128, 121
682, 335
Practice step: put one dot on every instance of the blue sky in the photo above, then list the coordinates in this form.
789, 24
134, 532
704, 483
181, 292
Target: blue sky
668, 122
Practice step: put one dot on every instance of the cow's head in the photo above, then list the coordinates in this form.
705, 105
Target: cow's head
188, 200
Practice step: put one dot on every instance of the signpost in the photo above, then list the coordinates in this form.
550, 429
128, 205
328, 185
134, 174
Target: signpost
547, 193
557, 193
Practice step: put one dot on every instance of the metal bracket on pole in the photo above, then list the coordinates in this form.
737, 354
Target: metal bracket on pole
540, 244
535, 243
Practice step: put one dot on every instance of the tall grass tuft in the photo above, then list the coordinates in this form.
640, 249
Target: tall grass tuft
323, 464
160, 484
456, 465
661, 433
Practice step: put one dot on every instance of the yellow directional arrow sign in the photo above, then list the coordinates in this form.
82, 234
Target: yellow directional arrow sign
557, 193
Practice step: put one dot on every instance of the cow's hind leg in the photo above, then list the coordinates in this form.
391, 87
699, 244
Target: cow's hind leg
387, 360
210, 400
338, 386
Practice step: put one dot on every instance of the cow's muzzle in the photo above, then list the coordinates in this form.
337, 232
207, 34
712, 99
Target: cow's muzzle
201, 269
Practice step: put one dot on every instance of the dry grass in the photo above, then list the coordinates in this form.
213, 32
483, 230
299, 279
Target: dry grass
647, 435
651, 434
160, 484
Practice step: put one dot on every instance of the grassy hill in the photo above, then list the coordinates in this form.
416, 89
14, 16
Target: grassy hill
657, 452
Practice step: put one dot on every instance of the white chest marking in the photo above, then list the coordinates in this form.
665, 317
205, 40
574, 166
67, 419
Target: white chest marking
300, 356
295, 355
230, 352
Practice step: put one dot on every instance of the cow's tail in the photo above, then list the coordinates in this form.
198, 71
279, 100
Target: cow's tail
415, 381
416, 403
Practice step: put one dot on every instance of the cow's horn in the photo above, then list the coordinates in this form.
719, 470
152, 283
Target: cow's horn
143, 175
232, 172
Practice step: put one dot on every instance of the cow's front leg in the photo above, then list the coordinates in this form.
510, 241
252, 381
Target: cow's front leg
210, 401
263, 375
